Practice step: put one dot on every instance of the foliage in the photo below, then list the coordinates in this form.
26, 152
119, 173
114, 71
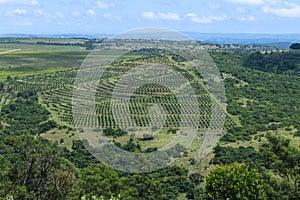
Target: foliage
285, 62
234, 181
9, 197
79, 155
100, 180
284, 160
114, 132
36, 170
130, 146
145, 186
263, 92
297, 134
295, 46
100, 198
262, 99
26, 115
174, 180
228, 155
1, 86
147, 137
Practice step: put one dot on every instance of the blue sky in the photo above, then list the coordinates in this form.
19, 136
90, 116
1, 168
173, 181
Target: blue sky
114, 16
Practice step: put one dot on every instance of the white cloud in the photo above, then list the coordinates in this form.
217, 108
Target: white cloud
6, 1
168, 16
250, 18
104, 5
33, 2
16, 12
90, 12
290, 10
111, 17
25, 2
149, 15
40, 12
48, 16
159, 15
205, 20
19, 12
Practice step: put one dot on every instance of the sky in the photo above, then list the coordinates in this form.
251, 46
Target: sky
115, 16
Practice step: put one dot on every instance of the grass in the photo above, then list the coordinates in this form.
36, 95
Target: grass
30, 44
31, 62
260, 138
42, 59
26, 71
193, 152
57, 135
160, 140
3, 50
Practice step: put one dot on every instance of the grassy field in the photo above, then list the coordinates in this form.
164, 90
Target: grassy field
34, 59
42, 58
26, 71
63, 137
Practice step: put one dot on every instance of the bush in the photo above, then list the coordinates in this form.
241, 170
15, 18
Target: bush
234, 181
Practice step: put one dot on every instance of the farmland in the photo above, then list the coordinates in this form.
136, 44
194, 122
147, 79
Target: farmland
55, 90
39, 76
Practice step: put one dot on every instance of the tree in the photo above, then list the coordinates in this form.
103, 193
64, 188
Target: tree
100, 180
1, 86
4, 180
283, 159
295, 46
37, 171
145, 186
234, 181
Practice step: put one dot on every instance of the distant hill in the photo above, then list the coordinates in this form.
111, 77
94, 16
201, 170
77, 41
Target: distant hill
280, 45
282, 41
276, 40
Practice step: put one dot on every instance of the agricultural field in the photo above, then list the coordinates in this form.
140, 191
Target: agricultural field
22, 56
38, 78
55, 90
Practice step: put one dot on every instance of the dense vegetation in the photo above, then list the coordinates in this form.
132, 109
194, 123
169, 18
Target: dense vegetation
295, 46
266, 103
234, 181
286, 62
34, 168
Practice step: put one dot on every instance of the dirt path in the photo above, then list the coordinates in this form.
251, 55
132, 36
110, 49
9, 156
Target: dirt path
10, 51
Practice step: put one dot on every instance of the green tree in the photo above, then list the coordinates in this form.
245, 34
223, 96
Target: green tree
234, 181
100, 180
37, 171
145, 186
1, 86
4, 180
283, 159
295, 46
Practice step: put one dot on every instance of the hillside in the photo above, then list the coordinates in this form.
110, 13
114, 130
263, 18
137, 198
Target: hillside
44, 156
